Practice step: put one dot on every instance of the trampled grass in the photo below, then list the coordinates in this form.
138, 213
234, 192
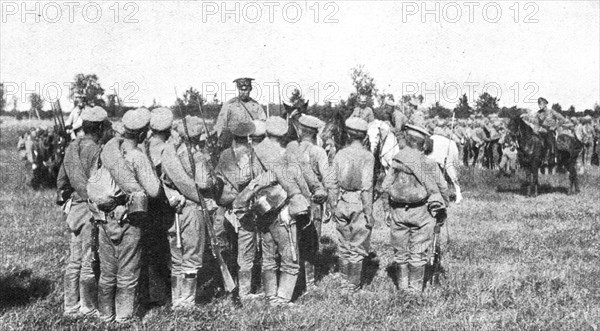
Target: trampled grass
512, 262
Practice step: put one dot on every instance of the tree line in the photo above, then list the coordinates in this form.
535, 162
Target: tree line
191, 102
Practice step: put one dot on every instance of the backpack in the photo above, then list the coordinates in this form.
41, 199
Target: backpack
406, 189
102, 189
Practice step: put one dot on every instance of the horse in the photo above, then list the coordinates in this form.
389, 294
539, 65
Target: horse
530, 154
444, 152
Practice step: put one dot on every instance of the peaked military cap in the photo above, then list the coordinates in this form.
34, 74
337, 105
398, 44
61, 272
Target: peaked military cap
243, 129
93, 114
136, 119
357, 124
540, 99
416, 131
310, 122
260, 128
244, 83
161, 119
276, 126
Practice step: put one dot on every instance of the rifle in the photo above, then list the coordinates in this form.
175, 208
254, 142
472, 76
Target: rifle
214, 244
435, 257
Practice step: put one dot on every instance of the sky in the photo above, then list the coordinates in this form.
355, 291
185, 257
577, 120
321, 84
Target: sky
145, 50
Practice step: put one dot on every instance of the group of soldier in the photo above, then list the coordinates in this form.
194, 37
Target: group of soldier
144, 206
487, 142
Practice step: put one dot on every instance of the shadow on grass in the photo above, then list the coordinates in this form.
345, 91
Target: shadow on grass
20, 287
522, 189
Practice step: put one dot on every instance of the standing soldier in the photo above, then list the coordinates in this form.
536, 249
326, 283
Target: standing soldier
277, 221
317, 158
353, 172
120, 249
187, 234
80, 285
362, 110
235, 169
237, 110
412, 194
155, 256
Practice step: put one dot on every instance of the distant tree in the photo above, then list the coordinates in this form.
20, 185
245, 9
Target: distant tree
557, 107
37, 104
364, 84
440, 111
88, 86
487, 105
189, 103
510, 112
462, 109
572, 109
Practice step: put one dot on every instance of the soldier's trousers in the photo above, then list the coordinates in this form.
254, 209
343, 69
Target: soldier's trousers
155, 256
247, 244
351, 223
119, 273
411, 234
79, 271
276, 241
188, 258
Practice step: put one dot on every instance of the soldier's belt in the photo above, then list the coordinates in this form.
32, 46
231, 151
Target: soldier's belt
407, 205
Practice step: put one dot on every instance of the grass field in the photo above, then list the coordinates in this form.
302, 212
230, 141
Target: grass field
512, 263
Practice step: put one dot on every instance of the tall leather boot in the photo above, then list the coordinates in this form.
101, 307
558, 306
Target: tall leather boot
71, 296
88, 293
415, 280
403, 276
106, 303
244, 283
269, 279
355, 275
125, 304
176, 291
287, 283
189, 285
309, 270
344, 264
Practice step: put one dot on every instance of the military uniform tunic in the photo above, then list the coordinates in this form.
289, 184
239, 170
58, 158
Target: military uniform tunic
411, 224
236, 111
353, 174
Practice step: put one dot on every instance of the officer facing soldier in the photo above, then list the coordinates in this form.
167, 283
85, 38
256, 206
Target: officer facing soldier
241, 109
